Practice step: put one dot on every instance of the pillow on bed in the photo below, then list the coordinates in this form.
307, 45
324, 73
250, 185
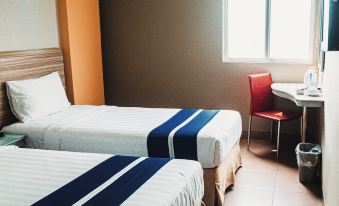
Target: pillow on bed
34, 98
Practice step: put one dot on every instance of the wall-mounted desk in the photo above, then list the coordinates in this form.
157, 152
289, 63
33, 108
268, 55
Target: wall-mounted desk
289, 91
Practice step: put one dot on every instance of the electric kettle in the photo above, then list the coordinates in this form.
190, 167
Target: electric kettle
311, 82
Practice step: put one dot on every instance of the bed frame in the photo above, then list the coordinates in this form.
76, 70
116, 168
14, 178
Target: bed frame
20, 65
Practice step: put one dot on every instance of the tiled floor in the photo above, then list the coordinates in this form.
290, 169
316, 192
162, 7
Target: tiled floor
264, 181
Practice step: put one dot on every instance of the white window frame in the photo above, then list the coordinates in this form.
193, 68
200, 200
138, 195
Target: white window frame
267, 58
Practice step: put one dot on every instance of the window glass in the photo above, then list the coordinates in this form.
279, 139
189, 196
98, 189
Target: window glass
246, 28
268, 30
290, 29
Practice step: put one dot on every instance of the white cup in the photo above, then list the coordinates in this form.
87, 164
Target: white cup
312, 91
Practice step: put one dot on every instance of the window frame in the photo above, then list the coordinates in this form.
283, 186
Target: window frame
267, 58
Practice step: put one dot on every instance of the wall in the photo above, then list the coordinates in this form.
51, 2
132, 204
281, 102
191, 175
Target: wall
330, 140
81, 45
33, 24
28, 24
169, 54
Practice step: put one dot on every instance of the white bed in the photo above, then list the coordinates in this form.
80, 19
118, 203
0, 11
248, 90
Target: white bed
124, 131
28, 175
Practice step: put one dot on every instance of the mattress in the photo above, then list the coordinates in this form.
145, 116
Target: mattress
124, 131
30, 176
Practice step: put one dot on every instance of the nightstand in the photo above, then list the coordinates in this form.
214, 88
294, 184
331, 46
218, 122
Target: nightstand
12, 139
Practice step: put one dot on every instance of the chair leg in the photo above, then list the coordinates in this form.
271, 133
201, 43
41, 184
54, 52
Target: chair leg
301, 129
272, 130
249, 132
278, 138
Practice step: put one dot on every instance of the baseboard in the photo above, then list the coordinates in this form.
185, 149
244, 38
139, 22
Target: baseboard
256, 134
265, 135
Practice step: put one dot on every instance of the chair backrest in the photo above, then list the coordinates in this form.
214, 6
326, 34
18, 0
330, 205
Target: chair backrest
262, 98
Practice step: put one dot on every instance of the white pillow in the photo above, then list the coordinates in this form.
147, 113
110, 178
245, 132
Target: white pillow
35, 98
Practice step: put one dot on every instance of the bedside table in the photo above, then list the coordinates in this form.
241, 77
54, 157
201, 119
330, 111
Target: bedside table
12, 139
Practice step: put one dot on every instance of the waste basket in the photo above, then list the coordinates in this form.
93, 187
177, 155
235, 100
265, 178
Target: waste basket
308, 157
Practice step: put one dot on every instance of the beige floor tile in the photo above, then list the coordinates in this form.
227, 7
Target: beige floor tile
249, 197
253, 179
295, 199
261, 147
290, 183
288, 180
260, 156
254, 161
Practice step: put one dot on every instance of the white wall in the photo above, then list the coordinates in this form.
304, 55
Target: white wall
28, 24
330, 139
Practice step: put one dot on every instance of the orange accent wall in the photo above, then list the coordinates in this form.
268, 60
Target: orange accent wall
79, 25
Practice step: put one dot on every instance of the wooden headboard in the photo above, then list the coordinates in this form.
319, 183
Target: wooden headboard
19, 65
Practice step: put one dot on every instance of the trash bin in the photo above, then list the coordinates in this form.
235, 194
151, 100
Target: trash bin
308, 157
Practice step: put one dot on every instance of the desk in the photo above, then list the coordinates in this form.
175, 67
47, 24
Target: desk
289, 91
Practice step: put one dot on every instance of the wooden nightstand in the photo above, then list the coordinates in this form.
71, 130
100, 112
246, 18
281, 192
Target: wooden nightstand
12, 139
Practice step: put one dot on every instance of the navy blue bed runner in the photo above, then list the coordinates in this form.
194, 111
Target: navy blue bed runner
184, 139
114, 194
128, 183
157, 141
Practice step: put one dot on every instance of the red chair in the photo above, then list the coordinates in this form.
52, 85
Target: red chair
262, 105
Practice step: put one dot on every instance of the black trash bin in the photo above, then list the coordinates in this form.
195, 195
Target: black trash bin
308, 157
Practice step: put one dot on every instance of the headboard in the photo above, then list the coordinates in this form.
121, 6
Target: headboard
29, 64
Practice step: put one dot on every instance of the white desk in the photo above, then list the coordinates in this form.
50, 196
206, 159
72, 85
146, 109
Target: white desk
289, 91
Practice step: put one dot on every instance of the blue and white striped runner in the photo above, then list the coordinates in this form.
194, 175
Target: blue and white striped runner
98, 185
186, 123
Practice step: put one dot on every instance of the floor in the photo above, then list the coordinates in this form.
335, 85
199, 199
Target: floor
264, 181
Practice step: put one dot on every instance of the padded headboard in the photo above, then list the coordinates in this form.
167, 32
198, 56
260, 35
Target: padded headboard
29, 64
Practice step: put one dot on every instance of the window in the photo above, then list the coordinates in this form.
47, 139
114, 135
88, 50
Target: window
268, 30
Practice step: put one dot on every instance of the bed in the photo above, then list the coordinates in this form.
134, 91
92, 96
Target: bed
43, 177
125, 131
132, 130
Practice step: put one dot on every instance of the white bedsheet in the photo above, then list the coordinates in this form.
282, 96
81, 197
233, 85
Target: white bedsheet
27, 175
124, 131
